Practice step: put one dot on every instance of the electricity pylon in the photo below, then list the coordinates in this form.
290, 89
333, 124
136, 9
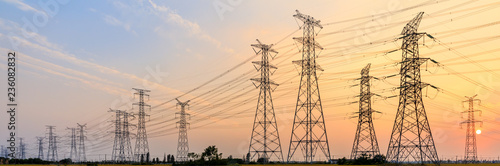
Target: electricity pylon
411, 138
82, 157
128, 154
182, 144
118, 154
141, 142
22, 149
40, 147
73, 153
3, 152
52, 149
265, 141
55, 148
470, 135
365, 141
309, 129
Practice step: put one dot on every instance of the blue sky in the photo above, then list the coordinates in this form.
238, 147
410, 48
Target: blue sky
86, 57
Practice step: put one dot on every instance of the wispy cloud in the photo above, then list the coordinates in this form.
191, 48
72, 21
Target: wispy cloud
15, 29
93, 84
169, 16
111, 20
84, 74
102, 69
21, 5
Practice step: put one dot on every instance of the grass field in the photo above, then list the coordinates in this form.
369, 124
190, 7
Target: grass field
273, 165
366, 165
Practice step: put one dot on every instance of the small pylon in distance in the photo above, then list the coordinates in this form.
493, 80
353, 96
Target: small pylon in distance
470, 135
365, 141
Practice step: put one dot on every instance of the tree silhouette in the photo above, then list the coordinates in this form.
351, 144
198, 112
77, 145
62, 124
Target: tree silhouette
211, 153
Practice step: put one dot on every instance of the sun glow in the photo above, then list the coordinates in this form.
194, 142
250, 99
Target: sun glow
478, 131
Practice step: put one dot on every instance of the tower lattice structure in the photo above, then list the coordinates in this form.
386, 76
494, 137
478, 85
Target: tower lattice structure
141, 142
55, 148
470, 135
22, 149
73, 153
265, 141
127, 151
118, 155
40, 147
182, 144
82, 157
52, 148
411, 138
365, 141
309, 129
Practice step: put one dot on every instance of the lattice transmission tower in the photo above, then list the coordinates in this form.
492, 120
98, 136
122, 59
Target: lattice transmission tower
40, 147
82, 157
470, 135
365, 141
73, 153
128, 153
141, 142
309, 129
182, 144
55, 147
52, 148
122, 149
265, 141
118, 155
22, 149
411, 138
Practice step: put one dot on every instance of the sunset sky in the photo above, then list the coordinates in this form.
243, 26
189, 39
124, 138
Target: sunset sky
81, 58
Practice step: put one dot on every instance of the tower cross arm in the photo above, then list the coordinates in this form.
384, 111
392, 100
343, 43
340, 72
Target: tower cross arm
260, 63
305, 41
301, 62
263, 81
307, 19
412, 26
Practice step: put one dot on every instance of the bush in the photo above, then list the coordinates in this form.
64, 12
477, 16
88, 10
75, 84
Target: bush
363, 160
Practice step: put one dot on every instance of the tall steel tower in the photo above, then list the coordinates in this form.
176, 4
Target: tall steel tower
470, 135
73, 153
365, 141
22, 149
4, 152
182, 144
82, 157
309, 129
40, 147
118, 154
52, 149
141, 142
55, 149
411, 138
265, 141
128, 154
